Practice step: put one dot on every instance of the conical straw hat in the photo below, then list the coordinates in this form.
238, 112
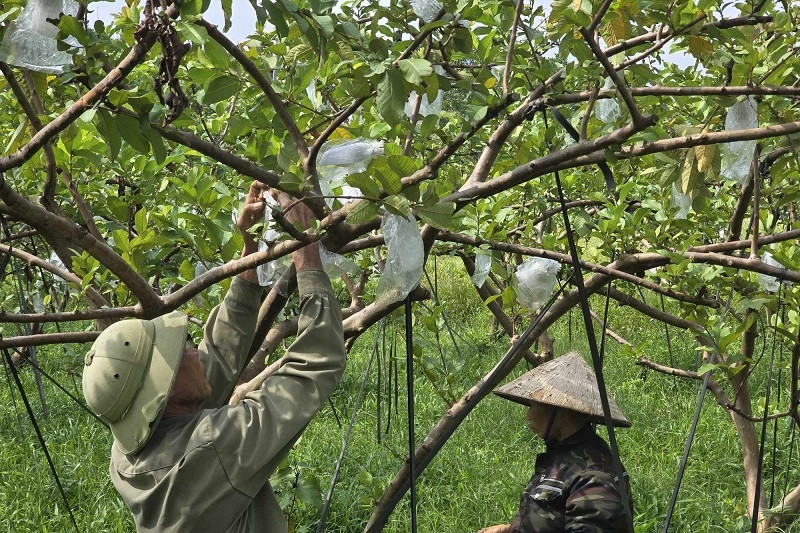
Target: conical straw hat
567, 382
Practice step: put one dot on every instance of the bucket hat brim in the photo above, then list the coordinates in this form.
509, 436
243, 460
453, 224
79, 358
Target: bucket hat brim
133, 430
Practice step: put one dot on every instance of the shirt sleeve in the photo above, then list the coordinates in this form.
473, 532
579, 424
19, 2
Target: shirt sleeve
252, 436
594, 505
227, 337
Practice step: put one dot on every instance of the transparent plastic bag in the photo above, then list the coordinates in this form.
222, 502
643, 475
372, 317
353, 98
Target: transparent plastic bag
681, 201
270, 272
483, 264
426, 9
404, 258
336, 265
769, 283
737, 157
607, 109
337, 160
30, 40
349, 152
425, 108
534, 281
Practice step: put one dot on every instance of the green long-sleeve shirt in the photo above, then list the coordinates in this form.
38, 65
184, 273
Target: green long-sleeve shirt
210, 472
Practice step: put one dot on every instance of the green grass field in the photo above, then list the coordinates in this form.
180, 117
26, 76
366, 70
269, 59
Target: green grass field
477, 477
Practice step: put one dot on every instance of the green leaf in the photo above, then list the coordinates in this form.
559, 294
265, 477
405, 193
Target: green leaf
232, 247
391, 96
364, 211
398, 205
415, 69
121, 241
186, 270
220, 88
140, 221
325, 24
708, 367
217, 55
227, 9
402, 165
131, 131
157, 144
196, 34
191, 8
107, 127
71, 26
509, 296
368, 186
389, 179
276, 18
438, 215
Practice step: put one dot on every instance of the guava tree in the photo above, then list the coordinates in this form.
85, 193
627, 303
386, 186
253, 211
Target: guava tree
123, 165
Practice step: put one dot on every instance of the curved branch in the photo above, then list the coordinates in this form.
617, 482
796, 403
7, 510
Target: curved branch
239, 164
632, 262
135, 56
94, 297
63, 229
277, 104
67, 337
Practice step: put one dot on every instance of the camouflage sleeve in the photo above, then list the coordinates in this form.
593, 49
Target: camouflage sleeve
594, 505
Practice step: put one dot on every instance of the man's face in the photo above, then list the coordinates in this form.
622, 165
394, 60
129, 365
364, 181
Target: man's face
191, 385
538, 417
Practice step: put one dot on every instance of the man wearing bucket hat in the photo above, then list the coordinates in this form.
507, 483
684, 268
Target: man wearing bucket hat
575, 486
182, 459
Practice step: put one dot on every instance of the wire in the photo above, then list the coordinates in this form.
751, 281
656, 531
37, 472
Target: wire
35, 424
346, 440
761, 447
411, 439
65, 391
690, 438
596, 358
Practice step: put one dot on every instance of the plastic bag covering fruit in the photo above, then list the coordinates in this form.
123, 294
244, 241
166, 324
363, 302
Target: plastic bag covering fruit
534, 281
425, 108
404, 258
483, 264
336, 265
426, 9
337, 160
607, 109
270, 272
681, 201
737, 157
769, 283
30, 41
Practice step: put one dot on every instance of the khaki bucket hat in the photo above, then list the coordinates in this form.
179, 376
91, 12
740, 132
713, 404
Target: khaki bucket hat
129, 372
566, 382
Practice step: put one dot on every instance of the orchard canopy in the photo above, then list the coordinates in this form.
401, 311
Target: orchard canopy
412, 130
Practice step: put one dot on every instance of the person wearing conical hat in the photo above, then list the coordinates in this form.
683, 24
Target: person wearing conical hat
184, 460
575, 486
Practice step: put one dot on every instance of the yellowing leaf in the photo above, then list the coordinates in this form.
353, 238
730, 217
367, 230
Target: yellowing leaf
699, 46
705, 157
617, 28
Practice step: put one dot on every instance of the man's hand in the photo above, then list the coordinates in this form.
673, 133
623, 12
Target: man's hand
297, 213
251, 213
500, 528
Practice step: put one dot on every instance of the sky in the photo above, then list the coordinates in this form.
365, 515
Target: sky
243, 19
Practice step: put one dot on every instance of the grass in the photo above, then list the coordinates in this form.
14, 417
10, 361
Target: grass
477, 477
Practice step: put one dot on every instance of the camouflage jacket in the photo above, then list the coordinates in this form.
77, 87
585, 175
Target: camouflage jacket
573, 490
